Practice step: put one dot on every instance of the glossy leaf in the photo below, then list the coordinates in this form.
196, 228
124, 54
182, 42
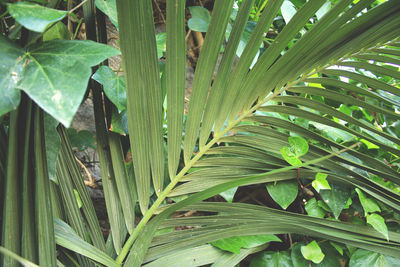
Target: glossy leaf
108, 7
320, 182
114, 86
369, 205
273, 259
35, 17
378, 223
313, 209
312, 252
10, 73
335, 198
48, 71
200, 19
234, 244
283, 193
58, 32
362, 258
298, 147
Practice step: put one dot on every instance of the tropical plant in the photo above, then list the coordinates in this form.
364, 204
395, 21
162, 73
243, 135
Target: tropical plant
320, 106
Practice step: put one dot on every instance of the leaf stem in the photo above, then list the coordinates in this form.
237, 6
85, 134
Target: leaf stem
202, 150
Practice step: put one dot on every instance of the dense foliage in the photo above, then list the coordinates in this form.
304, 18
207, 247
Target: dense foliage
287, 153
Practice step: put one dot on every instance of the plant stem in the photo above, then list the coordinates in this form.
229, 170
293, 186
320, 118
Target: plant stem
203, 150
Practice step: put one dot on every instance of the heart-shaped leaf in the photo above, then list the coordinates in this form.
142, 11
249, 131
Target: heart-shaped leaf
56, 74
35, 17
200, 19
377, 221
369, 205
312, 252
320, 182
235, 243
108, 7
283, 192
10, 72
273, 259
113, 85
336, 198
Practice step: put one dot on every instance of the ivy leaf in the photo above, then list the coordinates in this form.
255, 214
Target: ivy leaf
108, 7
378, 223
82, 139
56, 74
161, 40
289, 156
235, 243
312, 252
58, 32
35, 17
229, 194
369, 205
272, 259
320, 182
119, 122
362, 258
10, 72
200, 19
288, 10
336, 198
283, 192
313, 209
298, 147
113, 85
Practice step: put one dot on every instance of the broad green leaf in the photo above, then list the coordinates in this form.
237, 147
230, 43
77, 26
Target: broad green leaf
113, 85
55, 74
272, 259
229, 194
338, 247
200, 19
58, 32
10, 73
235, 243
362, 258
82, 140
161, 40
289, 156
119, 122
336, 198
296, 256
35, 17
298, 147
312, 252
66, 237
283, 192
320, 182
108, 7
378, 223
288, 10
369, 205
313, 209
